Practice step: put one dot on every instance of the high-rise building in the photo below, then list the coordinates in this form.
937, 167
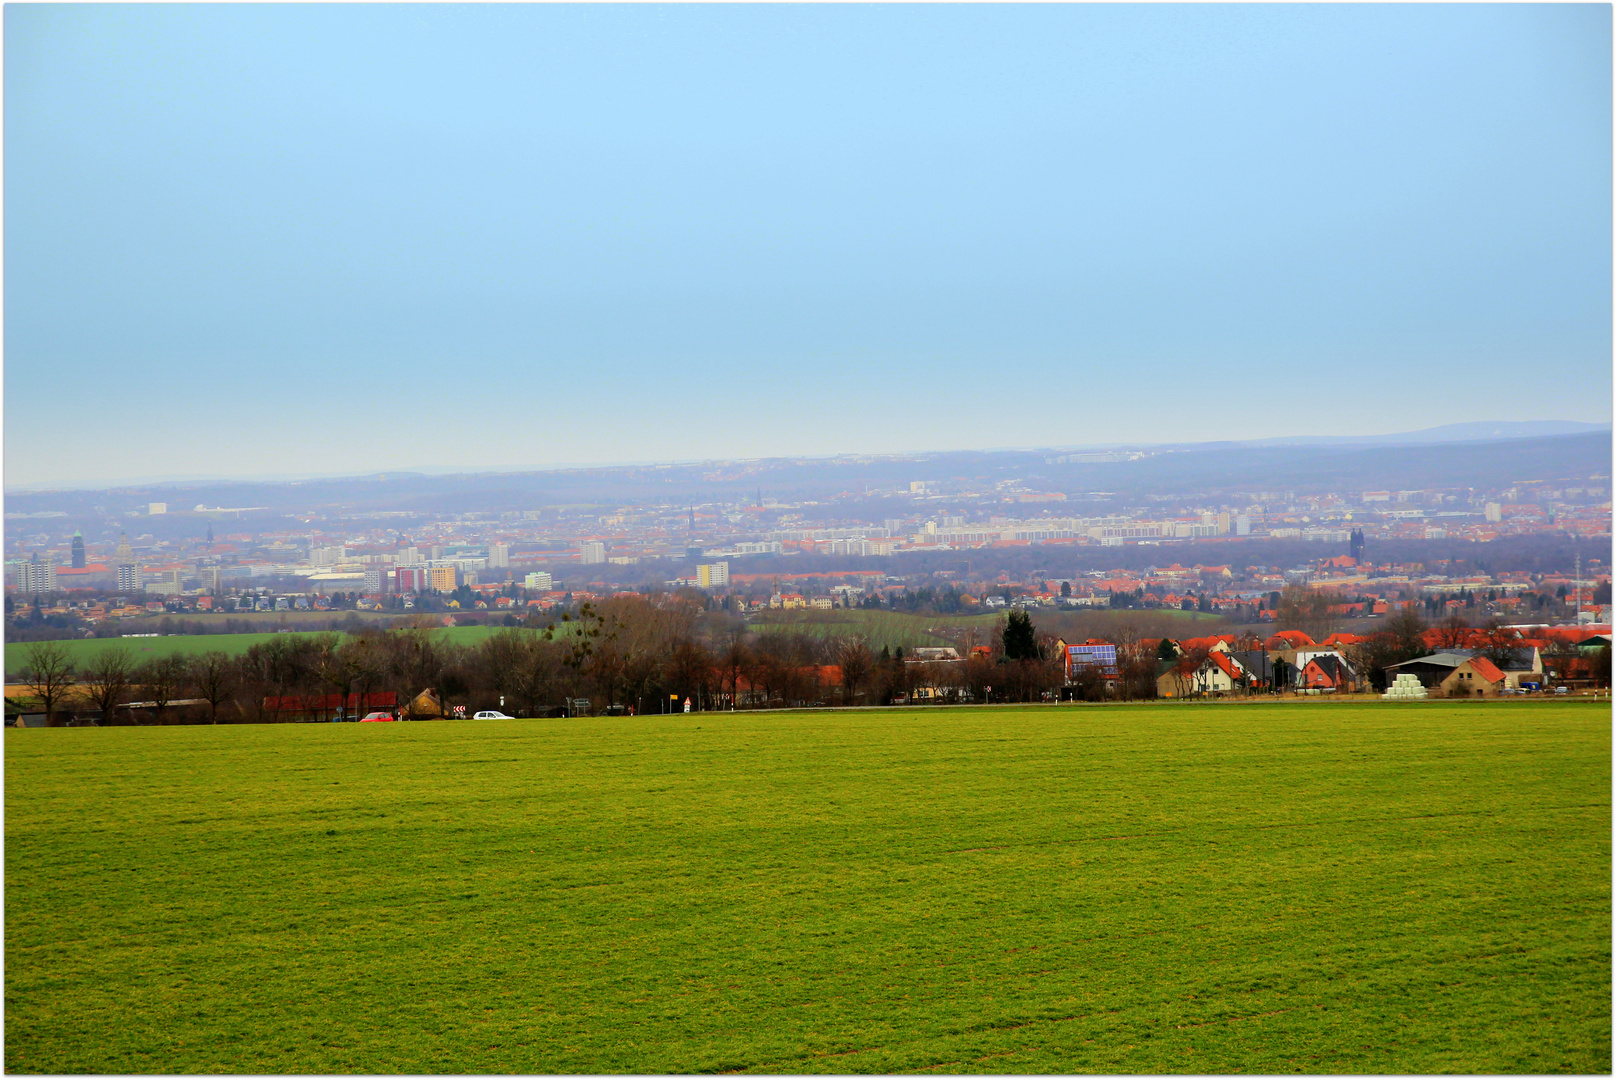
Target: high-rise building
129, 578
125, 554
410, 579
441, 578
37, 575
712, 575
408, 556
540, 580
1242, 525
378, 580
1494, 512
78, 550
592, 551
499, 555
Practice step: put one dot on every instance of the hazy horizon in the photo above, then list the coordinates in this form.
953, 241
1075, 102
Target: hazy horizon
1529, 429
328, 240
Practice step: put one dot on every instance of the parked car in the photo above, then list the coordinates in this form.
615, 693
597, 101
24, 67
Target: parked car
1562, 690
490, 714
376, 718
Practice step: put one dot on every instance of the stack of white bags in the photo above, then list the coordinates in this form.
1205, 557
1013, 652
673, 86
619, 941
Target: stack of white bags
1404, 688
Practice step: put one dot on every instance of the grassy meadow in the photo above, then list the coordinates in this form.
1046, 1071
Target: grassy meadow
892, 629
1174, 887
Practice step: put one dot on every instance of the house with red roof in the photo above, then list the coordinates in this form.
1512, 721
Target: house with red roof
1476, 677
1326, 672
1289, 639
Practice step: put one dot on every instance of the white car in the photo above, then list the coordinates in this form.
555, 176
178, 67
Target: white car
490, 715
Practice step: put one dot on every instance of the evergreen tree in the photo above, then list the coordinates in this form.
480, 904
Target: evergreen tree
1019, 642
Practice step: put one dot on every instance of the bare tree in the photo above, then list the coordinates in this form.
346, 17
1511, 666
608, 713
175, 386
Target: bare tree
49, 673
163, 680
107, 680
214, 676
1452, 632
854, 657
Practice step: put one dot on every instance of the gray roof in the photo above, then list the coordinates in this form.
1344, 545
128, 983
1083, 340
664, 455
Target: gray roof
1516, 660
1442, 659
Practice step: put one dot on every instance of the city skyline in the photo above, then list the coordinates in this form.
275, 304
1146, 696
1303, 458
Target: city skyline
346, 240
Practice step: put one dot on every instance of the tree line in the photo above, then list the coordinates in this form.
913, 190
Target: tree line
626, 654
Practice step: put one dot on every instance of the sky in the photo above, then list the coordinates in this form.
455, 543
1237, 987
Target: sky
251, 240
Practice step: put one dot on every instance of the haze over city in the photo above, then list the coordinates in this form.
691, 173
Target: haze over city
269, 240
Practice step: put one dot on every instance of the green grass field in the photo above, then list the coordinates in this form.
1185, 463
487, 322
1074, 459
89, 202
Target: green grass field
83, 651
896, 628
1322, 887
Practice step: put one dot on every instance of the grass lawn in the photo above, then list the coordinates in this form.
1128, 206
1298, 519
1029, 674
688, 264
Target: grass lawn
1374, 888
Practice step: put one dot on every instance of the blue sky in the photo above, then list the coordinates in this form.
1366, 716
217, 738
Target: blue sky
248, 240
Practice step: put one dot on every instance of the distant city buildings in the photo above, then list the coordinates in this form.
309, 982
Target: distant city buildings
712, 575
592, 552
539, 580
78, 550
499, 555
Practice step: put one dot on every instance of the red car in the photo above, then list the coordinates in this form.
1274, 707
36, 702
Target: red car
376, 718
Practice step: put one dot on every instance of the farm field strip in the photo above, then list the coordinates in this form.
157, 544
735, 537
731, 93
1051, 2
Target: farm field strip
84, 650
1346, 888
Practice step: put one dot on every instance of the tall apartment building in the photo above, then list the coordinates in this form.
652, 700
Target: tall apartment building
378, 581
36, 575
441, 578
1494, 512
540, 580
408, 556
712, 575
592, 551
327, 556
499, 555
129, 578
410, 579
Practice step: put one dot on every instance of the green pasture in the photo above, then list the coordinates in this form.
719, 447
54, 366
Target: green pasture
897, 628
1175, 887
880, 628
150, 648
